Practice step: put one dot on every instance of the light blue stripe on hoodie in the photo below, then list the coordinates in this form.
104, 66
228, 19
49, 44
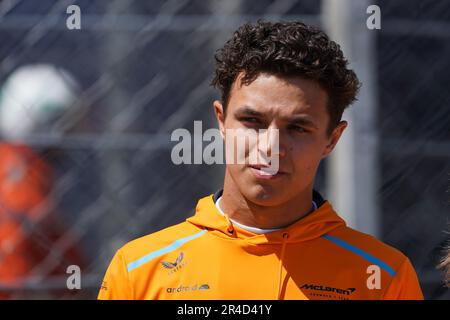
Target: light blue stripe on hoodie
175, 245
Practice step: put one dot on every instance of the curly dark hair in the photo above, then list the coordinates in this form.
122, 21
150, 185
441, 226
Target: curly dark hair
287, 49
445, 264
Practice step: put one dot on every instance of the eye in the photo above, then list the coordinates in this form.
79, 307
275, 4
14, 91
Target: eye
298, 129
249, 119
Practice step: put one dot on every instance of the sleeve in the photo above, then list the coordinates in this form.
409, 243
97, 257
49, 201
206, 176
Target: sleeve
405, 284
116, 283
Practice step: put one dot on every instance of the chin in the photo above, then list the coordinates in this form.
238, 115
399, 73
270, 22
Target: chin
265, 195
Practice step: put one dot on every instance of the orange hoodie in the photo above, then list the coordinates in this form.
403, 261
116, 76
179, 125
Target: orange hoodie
207, 257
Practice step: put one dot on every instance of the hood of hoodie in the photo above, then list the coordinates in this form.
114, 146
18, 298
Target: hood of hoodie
311, 226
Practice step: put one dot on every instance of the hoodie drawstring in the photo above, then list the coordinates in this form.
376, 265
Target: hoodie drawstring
280, 269
230, 227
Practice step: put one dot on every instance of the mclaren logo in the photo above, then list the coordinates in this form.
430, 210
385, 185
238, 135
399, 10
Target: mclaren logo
347, 291
175, 266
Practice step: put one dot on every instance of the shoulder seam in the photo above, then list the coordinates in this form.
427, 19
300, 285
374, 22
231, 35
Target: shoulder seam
154, 254
367, 256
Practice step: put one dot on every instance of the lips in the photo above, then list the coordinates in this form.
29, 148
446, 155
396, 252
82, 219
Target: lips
265, 172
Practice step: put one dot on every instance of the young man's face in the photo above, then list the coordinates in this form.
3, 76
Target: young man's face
297, 108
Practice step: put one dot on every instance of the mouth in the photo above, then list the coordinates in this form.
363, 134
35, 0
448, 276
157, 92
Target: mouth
265, 172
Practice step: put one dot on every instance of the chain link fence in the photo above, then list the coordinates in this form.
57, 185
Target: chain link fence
143, 69
414, 118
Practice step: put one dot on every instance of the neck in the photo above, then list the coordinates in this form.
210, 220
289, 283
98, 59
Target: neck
249, 213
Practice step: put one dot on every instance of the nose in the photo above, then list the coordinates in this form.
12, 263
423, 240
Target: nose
271, 144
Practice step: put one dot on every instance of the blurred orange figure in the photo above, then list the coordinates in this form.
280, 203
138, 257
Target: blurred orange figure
34, 244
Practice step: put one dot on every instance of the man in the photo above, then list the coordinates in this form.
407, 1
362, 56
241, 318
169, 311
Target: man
269, 235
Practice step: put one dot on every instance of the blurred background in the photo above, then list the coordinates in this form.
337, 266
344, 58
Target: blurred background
86, 117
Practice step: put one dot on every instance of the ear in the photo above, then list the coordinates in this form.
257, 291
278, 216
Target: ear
220, 116
334, 138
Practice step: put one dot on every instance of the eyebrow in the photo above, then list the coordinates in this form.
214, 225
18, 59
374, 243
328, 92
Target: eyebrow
297, 119
294, 119
246, 110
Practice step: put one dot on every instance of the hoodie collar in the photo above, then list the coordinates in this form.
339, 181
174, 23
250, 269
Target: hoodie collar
312, 226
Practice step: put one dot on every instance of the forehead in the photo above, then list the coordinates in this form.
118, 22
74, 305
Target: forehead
279, 95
